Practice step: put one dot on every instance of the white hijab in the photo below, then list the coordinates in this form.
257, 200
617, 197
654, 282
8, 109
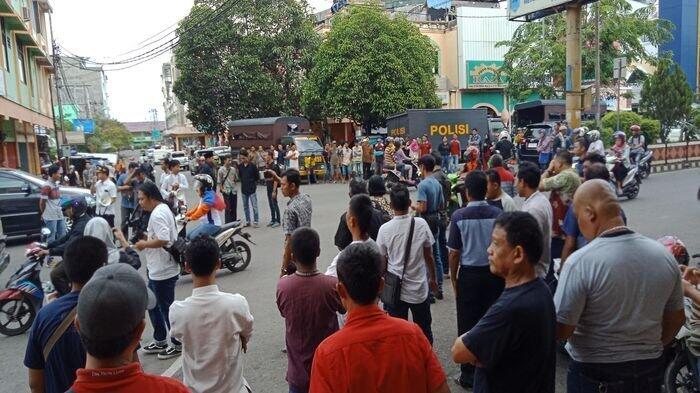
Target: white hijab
99, 228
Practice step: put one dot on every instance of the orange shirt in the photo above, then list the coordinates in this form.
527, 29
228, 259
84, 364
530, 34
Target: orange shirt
127, 379
374, 352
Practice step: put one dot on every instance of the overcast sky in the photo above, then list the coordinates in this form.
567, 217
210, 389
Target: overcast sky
103, 30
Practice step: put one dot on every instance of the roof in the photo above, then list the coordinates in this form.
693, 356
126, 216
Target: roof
181, 131
535, 103
143, 126
265, 121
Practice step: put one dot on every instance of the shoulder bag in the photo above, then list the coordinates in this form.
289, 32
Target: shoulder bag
391, 294
65, 324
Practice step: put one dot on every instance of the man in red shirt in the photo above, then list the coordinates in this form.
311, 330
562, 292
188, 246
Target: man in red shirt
110, 319
373, 352
507, 178
425, 146
455, 152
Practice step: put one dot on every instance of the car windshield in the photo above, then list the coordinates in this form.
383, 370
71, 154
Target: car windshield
308, 145
534, 132
177, 154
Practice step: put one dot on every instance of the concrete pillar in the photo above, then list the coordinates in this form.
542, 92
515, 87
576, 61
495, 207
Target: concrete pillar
573, 65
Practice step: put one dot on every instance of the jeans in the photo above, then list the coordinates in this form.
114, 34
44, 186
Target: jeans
379, 166
357, 169
248, 200
438, 260
442, 244
57, 228
366, 170
329, 172
639, 376
164, 290
294, 389
274, 206
231, 206
445, 164
203, 229
477, 290
125, 214
344, 171
420, 313
454, 163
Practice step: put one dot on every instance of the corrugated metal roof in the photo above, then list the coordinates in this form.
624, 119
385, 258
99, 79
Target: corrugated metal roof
143, 126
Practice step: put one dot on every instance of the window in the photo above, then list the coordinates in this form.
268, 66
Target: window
11, 185
21, 64
5, 44
37, 17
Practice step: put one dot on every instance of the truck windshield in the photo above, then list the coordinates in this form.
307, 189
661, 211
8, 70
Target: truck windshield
304, 145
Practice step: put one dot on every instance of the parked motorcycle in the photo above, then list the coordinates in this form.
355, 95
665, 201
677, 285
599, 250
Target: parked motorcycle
631, 183
394, 176
644, 164
235, 254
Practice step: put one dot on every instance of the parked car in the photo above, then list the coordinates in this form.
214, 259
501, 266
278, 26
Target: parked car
218, 153
159, 155
527, 150
19, 201
181, 156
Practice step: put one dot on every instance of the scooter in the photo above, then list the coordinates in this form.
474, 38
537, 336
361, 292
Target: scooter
631, 183
235, 254
644, 164
394, 176
23, 295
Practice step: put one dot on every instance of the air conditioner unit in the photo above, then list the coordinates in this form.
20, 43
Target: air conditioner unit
25, 14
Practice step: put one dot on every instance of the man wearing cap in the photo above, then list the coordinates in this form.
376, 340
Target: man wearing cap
52, 367
105, 192
110, 320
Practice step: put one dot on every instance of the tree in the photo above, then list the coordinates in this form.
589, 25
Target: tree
369, 67
666, 96
109, 135
247, 59
536, 57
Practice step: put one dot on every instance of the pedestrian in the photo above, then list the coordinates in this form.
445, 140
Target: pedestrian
228, 179
346, 161
110, 320
495, 196
208, 167
105, 192
504, 146
537, 204
361, 220
373, 352
162, 269
50, 204
475, 138
367, 159
125, 185
444, 150
579, 152
442, 266
165, 170
272, 186
475, 287
406, 243
377, 189
429, 202
425, 146
513, 345
559, 141
335, 163
211, 362
174, 186
379, 157
607, 334
544, 149
281, 155
308, 302
455, 153
89, 174
357, 159
389, 151
249, 183
293, 157
54, 351
507, 178
343, 236
414, 149
327, 161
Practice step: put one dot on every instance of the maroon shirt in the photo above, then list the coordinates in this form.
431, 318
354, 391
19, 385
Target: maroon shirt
308, 305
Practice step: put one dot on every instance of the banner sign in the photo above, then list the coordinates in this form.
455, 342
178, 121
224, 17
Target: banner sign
483, 74
85, 125
534, 9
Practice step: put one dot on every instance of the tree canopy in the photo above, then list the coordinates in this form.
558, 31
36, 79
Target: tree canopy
246, 59
109, 135
536, 57
370, 66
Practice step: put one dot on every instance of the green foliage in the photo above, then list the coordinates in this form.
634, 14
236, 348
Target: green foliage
626, 120
110, 135
590, 124
536, 58
666, 96
651, 129
606, 135
369, 67
250, 62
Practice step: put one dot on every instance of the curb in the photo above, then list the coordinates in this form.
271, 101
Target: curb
674, 166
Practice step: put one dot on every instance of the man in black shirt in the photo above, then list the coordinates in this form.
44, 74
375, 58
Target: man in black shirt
207, 167
513, 345
343, 236
272, 185
249, 180
504, 146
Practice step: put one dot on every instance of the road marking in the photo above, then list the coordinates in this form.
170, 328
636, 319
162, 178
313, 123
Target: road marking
173, 368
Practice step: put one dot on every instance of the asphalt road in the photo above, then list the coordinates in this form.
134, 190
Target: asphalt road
666, 205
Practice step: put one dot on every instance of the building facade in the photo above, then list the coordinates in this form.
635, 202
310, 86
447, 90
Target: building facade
25, 78
142, 132
684, 14
175, 111
84, 86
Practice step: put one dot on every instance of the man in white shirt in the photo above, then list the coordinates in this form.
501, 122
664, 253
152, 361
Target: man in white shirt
293, 157
163, 271
212, 362
392, 241
527, 184
105, 192
495, 196
173, 182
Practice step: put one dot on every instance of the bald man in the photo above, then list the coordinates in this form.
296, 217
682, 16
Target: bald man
619, 300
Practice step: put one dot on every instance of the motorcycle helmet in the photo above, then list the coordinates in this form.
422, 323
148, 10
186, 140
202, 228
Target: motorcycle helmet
504, 134
620, 134
676, 247
205, 181
77, 203
635, 127
594, 135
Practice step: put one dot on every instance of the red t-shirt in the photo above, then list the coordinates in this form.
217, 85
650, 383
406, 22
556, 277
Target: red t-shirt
425, 148
506, 175
455, 147
376, 353
127, 379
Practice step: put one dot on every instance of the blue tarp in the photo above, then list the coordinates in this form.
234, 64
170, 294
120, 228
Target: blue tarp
439, 4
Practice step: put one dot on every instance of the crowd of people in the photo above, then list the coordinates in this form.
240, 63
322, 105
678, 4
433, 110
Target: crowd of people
616, 297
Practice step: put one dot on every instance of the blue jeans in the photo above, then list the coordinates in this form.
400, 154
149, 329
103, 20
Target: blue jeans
164, 290
344, 170
329, 172
203, 229
253, 199
57, 228
454, 163
445, 164
640, 376
420, 313
357, 168
442, 244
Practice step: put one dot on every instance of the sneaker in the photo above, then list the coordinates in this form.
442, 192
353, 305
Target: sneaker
247, 224
169, 353
256, 225
464, 384
275, 224
439, 295
154, 347
271, 224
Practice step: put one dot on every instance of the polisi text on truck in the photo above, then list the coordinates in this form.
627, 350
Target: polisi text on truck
449, 129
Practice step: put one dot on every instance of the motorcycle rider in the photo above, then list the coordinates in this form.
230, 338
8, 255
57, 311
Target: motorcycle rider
621, 151
595, 144
210, 210
76, 209
637, 143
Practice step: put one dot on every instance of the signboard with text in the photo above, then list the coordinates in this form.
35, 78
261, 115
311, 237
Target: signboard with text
85, 125
529, 10
484, 74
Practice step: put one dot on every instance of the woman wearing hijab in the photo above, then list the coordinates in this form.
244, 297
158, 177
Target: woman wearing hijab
621, 151
99, 228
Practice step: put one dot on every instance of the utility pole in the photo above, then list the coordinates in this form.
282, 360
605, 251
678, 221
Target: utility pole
597, 65
573, 65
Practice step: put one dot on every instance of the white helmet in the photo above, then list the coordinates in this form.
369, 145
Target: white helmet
594, 135
504, 134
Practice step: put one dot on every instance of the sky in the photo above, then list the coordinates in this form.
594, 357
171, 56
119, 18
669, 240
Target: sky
103, 30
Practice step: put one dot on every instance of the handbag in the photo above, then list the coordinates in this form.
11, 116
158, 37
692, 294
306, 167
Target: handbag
391, 293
